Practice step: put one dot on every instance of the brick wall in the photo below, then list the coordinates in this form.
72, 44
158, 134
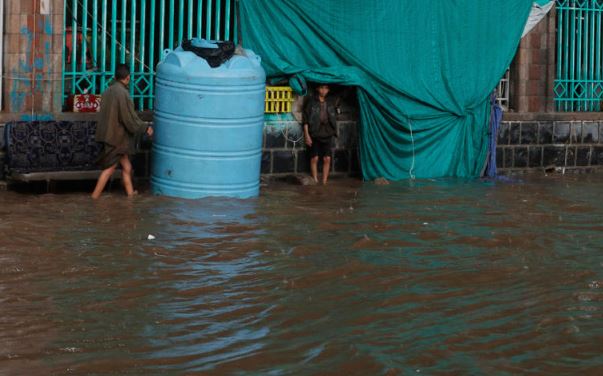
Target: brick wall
533, 69
33, 44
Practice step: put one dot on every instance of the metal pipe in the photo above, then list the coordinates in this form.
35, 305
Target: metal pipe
171, 29
103, 64
132, 48
73, 44
122, 48
1, 50
152, 56
208, 17
237, 33
199, 18
217, 16
180, 21
227, 20
189, 34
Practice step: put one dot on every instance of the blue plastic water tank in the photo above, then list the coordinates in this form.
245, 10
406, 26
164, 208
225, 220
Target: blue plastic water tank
208, 126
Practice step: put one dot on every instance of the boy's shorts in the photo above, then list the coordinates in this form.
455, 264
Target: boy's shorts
320, 148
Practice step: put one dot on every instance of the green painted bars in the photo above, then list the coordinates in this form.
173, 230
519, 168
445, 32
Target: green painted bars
99, 34
137, 32
579, 75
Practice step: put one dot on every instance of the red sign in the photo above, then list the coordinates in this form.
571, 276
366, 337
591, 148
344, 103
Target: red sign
86, 103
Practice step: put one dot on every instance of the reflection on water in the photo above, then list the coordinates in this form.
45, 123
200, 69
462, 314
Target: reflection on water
437, 277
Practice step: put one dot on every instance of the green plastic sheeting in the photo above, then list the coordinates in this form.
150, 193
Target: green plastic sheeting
424, 71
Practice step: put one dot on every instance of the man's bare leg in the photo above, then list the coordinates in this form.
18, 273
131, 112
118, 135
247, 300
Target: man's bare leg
314, 168
326, 166
126, 175
102, 181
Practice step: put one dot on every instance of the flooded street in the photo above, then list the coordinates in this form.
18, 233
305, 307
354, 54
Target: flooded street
426, 277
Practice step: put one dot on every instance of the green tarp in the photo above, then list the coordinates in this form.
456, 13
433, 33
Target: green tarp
424, 71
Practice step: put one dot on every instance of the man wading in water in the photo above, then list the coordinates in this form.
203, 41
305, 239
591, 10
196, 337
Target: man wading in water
319, 118
118, 126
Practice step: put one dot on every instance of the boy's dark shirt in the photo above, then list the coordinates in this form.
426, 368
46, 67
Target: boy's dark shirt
321, 119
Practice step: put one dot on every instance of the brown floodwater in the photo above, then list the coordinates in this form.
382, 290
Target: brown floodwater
426, 277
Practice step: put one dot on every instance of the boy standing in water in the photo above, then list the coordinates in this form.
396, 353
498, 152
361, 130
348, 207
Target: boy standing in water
118, 126
319, 119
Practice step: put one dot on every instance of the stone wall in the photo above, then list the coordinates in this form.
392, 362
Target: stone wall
550, 145
284, 151
2, 155
523, 146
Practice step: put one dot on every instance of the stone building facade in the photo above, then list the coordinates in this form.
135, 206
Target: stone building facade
533, 137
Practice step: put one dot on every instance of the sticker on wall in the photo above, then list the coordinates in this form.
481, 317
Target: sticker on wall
44, 6
86, 103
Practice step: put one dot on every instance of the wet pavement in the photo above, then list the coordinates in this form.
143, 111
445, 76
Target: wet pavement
426, 277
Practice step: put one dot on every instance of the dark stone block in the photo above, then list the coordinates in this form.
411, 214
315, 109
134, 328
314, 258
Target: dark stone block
561, 133
303, 161
503, 133
515, 133
341, 161
295, 137
597, 156
529, 133
2, 142
145, 143
139, 165
283, 161
590, 133
355, 161
508, 157
535, 156
347, 135
576, 133
545, 133
266, 166
520, 158
499, 157
274, 138
570, 157
2, 166
553, 155
583, 156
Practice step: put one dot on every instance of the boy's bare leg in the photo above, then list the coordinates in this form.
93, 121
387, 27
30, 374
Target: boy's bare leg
126, 175
314, 168
102, 181
326, 166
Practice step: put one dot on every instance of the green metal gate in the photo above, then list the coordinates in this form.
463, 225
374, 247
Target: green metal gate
579, 77
102, 33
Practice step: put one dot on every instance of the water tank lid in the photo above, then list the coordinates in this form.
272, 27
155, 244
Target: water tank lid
204, 43
243, 59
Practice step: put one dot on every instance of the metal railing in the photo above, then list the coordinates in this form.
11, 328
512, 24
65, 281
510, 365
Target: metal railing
579, 76
99, 34
502, 91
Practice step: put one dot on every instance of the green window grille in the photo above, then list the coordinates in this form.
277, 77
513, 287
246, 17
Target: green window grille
579, 76
99, 34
